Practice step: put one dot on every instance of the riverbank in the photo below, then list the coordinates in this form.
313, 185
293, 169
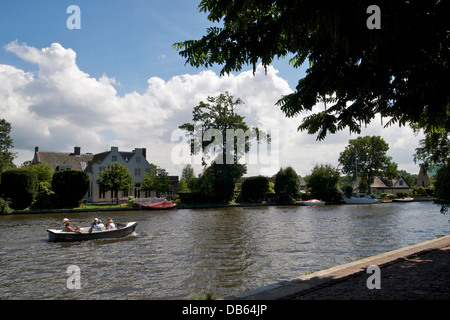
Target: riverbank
417, 272
186, 206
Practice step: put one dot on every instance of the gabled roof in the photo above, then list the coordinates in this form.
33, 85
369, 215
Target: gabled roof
63, 159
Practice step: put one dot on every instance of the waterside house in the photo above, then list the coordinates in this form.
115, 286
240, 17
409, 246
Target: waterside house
391, 186
136, 162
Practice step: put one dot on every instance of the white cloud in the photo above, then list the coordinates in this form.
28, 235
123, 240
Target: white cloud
61, 107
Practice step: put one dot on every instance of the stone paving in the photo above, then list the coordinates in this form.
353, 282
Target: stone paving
418, 272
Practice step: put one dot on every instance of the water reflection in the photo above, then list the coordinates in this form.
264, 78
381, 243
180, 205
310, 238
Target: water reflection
181, 253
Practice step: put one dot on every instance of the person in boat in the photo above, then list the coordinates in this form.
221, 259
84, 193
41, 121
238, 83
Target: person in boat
97, 225
110, 224
68, 228
64, 223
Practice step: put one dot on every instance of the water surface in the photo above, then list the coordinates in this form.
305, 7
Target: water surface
182, 253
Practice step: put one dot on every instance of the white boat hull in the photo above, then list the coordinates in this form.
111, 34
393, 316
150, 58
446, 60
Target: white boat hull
361, 200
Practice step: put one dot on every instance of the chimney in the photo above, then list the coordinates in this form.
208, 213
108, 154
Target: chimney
144, 152
36, 155
77, 151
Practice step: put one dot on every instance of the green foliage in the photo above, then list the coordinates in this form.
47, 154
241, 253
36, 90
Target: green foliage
69, 187
442, 188
421, 191
157, 180
116, 177
323, 183
372, 160
21, 186
6, 144
187, 173
287, 182
399, 72
5, 206
254, 188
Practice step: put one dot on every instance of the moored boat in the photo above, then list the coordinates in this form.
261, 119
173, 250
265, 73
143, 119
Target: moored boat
361, 198
122, 230
313, 202
162, 205
404, 199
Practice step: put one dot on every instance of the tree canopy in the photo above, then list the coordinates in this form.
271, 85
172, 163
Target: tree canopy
156, 180
322, 183
399, 71
6, 144
287, 182
372, 160
116, 177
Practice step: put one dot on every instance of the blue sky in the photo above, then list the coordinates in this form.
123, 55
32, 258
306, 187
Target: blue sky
128, 40
118, 82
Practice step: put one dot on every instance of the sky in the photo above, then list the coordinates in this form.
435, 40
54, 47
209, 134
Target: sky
117, 81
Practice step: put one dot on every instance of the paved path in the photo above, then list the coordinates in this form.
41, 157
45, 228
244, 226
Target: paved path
418, 272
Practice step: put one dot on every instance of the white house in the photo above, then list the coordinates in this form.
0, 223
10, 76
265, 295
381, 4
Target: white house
135, 161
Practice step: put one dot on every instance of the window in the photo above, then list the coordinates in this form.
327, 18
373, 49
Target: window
114, 158
137, 172
138, 159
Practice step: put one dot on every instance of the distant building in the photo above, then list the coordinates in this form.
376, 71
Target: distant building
135, 161
60, 161
384, 185
425, 176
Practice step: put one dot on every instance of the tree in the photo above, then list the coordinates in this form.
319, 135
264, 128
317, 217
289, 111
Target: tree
187, 173
372, 160
6, 144
115, 178
69, 187
212, 121
219, 132
254, 188
442, 187
399, 71
434, 150
20, 186
323, 183
287, 182
156, 180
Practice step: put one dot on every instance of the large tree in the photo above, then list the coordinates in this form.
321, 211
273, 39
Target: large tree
399, 71
6, 144
219, 134
287, 182
367, 157
116, 177
322, 183
156, 180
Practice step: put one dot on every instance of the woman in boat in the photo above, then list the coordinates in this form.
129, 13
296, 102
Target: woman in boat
68, 228
110, 224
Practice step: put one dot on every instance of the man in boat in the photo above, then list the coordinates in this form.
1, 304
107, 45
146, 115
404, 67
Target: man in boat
68, 228
97, 225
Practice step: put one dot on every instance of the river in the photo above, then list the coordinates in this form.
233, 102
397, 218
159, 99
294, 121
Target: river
183, 253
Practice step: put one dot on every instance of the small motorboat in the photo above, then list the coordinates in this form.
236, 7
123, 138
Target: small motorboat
162, 205
121, 230
404, 199
313, 202
386, 200
361, 198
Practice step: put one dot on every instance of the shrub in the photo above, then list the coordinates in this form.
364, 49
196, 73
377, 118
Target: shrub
69, 187
20, 186
254, 188
5, 207
421, 191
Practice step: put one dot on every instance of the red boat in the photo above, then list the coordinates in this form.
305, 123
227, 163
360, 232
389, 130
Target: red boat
162, 205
